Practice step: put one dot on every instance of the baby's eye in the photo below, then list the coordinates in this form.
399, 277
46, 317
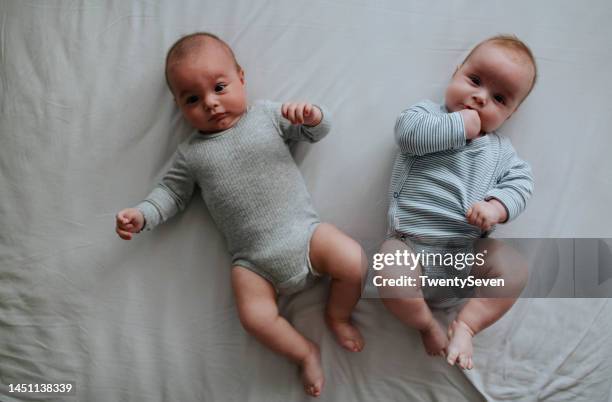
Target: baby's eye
475, 79
192, 99
500, 99
220, 87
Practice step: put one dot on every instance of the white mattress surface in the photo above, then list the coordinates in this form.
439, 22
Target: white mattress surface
87, 127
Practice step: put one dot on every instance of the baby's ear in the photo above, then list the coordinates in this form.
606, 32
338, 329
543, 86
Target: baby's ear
241, 76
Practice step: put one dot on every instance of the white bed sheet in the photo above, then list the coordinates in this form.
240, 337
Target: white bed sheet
87, 126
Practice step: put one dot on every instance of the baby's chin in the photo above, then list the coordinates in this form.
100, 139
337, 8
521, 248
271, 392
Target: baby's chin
223, 125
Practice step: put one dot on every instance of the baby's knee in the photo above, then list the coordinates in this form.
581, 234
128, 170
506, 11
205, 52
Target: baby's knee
506, 263
256, 317
356, 265
393, 245
341, 257
520, 275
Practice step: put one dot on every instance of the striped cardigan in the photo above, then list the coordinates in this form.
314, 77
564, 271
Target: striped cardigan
438, 175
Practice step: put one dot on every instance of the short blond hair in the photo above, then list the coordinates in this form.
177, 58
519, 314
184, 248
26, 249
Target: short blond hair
510, 42
195, 41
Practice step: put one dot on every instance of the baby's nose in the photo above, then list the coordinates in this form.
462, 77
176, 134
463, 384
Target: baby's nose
211, 102
480, 98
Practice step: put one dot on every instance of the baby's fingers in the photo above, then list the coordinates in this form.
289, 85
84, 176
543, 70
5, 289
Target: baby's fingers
120, 219
487, 224
123, 224
299, 113
125, 235
473, 216
307, 109
290, 112
296, 112
125, 217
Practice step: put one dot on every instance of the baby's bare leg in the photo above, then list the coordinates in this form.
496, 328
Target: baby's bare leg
337, 255
407, 303
258, 312
488, 304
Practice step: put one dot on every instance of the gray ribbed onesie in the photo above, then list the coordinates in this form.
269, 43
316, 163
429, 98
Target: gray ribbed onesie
253, 190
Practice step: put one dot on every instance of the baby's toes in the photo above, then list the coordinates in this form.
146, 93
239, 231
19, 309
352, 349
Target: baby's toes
353, 345
452, 357
463, 361
347, 335
359, 343
313, 390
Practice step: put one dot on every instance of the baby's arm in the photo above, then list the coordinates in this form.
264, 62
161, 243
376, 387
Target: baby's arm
424, 129
300, 121
170, 196
511, 193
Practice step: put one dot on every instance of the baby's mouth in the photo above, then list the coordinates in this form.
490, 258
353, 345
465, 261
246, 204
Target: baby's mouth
217, 117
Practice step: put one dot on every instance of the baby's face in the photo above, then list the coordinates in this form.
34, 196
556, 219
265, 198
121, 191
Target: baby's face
208, 88
493, 81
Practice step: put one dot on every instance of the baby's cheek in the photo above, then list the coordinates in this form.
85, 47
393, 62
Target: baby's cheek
186, 114
192, 116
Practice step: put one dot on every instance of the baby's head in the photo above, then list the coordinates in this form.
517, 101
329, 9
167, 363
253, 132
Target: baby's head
207, 82
495, 77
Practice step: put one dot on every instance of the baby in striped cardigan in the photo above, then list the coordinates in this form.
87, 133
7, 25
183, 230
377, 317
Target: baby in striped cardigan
453, 180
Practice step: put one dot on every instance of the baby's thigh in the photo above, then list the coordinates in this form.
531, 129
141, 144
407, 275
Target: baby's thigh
255, 298
501, 261
334, 253
395, 263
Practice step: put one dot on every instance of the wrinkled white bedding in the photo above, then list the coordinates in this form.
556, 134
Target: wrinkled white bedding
87, 125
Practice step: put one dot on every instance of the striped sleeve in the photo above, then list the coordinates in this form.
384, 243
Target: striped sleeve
422, 130
515, 186
171, 195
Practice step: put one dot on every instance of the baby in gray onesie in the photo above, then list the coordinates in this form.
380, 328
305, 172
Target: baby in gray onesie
262, 208
239, 157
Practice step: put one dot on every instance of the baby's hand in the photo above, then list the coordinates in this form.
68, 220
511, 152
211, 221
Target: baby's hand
301, 113
485, 214
471, 120
129, 220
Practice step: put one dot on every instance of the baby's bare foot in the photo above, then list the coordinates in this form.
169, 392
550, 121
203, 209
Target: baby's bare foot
312, 372
347, 335
460, 347
434, 339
